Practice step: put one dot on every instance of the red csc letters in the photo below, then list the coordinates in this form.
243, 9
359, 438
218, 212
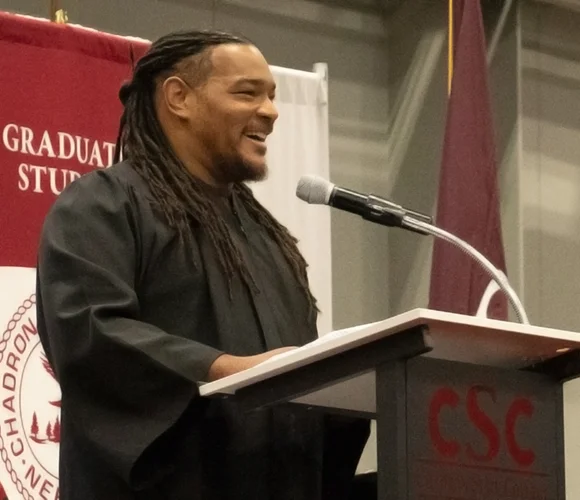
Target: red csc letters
448, 447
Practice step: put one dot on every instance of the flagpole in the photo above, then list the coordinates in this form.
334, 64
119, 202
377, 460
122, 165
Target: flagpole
57, 14
450, 49
54, 8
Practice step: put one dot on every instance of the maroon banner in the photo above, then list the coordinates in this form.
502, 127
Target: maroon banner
59, 115
58, 120
468, 199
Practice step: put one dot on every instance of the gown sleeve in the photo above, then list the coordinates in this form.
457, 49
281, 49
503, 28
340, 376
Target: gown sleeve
126, 385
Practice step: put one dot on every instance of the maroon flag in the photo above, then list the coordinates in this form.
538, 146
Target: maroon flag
468, 199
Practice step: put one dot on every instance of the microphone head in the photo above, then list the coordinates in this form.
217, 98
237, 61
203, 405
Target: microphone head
314, 189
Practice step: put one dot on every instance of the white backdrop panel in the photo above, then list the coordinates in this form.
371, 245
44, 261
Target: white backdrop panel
298, 146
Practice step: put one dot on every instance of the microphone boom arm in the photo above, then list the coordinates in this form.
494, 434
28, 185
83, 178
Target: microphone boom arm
497, 276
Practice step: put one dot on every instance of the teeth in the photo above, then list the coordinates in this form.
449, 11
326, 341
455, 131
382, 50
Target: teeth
258, 135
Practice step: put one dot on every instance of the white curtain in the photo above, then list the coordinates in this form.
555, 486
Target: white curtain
298, 146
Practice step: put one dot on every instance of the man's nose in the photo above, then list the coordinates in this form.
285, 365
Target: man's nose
268, 109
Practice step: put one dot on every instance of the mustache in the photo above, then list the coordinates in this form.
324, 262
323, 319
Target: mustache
262, 128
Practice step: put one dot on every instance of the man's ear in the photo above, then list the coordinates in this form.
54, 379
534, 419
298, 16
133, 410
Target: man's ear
177, 97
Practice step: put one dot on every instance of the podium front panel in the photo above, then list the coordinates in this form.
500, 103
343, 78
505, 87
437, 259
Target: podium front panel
477, 432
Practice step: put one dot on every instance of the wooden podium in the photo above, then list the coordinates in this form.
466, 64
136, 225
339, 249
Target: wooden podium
466, 408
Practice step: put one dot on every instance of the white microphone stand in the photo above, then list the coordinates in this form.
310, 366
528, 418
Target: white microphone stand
494, 273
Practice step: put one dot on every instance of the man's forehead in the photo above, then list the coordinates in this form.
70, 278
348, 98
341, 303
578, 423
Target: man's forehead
240, 62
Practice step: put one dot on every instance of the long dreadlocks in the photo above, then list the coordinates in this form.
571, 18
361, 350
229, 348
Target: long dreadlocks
182, 198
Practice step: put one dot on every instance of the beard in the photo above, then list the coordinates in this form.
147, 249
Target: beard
235, 170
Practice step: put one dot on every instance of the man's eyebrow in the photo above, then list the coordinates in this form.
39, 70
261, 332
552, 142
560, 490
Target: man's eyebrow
253, 81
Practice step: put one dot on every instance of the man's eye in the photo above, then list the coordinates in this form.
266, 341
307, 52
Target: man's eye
247, 92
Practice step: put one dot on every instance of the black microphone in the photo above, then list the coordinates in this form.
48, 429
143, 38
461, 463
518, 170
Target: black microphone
316, 190
319, 191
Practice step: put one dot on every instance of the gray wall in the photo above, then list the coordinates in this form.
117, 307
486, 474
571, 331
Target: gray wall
550, 62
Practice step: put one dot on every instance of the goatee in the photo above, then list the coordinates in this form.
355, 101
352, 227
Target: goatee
239, 171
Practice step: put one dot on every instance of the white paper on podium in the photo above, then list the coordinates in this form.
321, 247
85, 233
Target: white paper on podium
321, 341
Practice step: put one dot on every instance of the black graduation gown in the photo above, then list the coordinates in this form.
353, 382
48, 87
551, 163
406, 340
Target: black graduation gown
131, 318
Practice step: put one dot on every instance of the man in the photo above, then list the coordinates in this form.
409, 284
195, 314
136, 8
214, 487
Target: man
163, 271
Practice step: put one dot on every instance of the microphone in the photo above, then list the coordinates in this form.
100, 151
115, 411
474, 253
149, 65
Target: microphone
319, 191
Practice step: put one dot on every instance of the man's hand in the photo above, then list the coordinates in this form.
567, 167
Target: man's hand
228, 365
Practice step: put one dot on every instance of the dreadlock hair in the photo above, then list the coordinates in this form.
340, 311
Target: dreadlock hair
183, 199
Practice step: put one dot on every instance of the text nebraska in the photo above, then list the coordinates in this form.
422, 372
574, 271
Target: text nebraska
46, 488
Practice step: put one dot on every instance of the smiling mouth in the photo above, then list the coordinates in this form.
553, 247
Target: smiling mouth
257, 137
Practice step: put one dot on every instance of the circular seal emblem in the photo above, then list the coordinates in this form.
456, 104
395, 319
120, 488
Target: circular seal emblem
29, 410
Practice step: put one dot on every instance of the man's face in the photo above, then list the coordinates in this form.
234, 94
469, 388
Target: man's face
234, 113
